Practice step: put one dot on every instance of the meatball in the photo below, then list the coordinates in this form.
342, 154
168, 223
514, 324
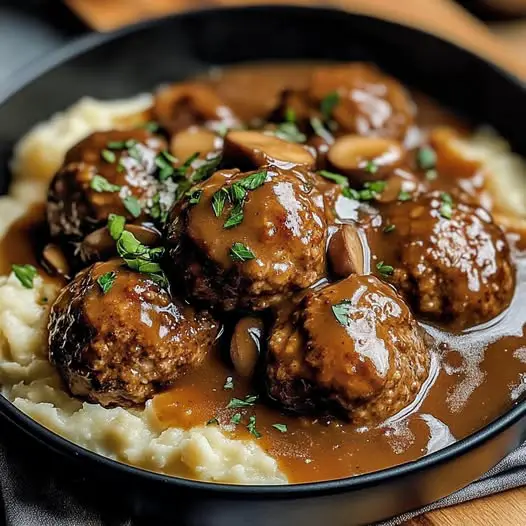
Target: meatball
249, 240
369, 102
351, 349
108, 172
449, 259
117, 338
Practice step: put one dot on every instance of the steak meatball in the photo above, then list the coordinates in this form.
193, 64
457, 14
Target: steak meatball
117, 338
249, 239
108, 172
450, 260
351, 349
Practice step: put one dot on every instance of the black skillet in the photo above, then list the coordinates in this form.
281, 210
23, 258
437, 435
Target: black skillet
137, 59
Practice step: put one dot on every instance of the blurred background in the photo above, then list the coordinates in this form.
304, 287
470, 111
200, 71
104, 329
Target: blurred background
30, 29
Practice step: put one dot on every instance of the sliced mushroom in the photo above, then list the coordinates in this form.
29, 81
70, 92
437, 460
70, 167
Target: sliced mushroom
347, 251
254, 149
365, 158
55, 261
187, 142
99, 245
245, 345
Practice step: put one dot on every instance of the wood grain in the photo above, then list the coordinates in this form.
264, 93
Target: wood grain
441, 17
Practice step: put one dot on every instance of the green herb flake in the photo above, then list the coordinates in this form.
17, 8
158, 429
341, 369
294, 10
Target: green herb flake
389, 228
404, 196
241, 253
237, 193
236, 419
431, 175
342, 311
237, 403
289, 131
375, 186
106, 281
384, 270
252, 427
319, 129
26, 274
130, 143
446, 209
115, 145
351, 193
157, 210
329, 102
218, 201
187, 164
282, 428
150, 126
116, 225
132, 205
290, 115
426, 158
108, 156
337, 178
206, 170
235, 217
371, 167
101, 184
194, 196
254, 180
229, 383
213, 421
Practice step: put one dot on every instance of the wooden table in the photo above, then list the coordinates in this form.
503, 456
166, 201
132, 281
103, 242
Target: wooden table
437, 16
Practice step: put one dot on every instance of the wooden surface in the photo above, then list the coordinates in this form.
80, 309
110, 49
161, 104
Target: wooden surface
504, 44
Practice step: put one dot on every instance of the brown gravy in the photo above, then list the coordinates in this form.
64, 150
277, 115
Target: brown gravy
475, 376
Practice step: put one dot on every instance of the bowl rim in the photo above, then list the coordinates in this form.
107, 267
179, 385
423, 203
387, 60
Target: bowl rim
66, 447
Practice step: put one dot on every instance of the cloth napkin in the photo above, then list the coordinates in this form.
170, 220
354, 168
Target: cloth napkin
37, 491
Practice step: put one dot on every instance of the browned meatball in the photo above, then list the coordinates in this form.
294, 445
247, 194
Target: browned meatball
451, 261
108, 172
122, 346
351, 349
249, 239
369, 102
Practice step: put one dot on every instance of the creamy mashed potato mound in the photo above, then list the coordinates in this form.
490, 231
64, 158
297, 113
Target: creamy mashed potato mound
137, 437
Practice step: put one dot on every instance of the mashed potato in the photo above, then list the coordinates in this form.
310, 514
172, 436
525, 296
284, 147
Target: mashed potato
132, 436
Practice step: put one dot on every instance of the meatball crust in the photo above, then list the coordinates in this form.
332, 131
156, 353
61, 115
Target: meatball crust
351, 349
369, 102
451, 261
253, 250
77, 204
121, 347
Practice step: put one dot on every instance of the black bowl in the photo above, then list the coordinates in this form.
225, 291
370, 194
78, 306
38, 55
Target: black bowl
139, 58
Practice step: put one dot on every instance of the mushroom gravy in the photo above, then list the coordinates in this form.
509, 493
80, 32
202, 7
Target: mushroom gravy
475, 373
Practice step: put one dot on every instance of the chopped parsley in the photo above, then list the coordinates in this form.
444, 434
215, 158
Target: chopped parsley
289, 131
236, 419
337, 178
229, 383
106, 281
446, 209
431, 175
108, 156
426, 158
319, 129
241, 253
235, 217
253, 181
389, 228
384, 270
237, 403
371, 167
404, 196
150, 126
252, 427
26, 274
132, 205
101, 184
370, 191
158, 211
116, 225
282, 428
194, 196
329, 102
205, 170
290, 115
342, 311
237, 193
218, 201
213, 421
116, 145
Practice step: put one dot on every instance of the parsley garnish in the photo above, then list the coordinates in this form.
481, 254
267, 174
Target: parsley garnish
328, 104
236, 403
337, 178
289, 131
404, 196
108, 156
389, 228
206, 170
235, 217
132, 205
151, 126
241, 253
101, 184
252, 427
218, 201
342, 311
194, 196
446, 209
282, 428
115, 145
290, 115
319, 129
384, 270
371, 167
253, 181
229, 383
106, 281
26, 274
426, 158
237, 193
369, 192
158, 210
116, 225
236, 419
